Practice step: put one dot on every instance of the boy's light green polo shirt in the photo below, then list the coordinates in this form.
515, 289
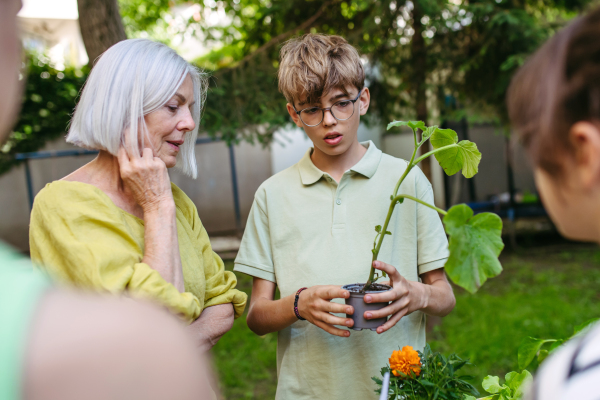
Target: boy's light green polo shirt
306, 229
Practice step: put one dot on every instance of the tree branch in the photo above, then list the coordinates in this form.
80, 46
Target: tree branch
281, 37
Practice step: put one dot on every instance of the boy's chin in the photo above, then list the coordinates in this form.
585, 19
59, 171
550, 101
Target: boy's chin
334, 150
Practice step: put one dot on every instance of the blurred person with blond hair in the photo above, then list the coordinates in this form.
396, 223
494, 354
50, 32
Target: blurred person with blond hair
63, 345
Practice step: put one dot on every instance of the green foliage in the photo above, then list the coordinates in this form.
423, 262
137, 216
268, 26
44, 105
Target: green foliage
471, 50
475, 241
454, 155
438, 379
539, 294
246, 364
48, 101
512, 389
475, 244
531, 348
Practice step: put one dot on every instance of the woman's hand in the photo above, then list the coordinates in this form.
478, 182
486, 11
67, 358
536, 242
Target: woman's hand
314, 305
213, 323
147, 178
434, 296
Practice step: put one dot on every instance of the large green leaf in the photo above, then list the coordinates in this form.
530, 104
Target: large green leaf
464, 155
529, 348
475, 244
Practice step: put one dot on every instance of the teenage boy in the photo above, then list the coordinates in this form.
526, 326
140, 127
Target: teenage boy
312, 226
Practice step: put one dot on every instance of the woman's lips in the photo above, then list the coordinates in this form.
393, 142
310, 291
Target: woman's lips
173, 146
333, 139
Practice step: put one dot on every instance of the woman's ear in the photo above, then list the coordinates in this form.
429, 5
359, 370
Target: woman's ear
294, 115
585, 137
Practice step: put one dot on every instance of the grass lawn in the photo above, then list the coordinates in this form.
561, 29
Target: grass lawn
543, 292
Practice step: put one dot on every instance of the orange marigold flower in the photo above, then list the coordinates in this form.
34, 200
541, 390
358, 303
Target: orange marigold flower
404, 361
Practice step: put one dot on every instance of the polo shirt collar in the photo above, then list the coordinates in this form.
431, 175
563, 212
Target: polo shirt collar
367, 166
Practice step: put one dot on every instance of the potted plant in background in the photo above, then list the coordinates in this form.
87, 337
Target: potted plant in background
475, 240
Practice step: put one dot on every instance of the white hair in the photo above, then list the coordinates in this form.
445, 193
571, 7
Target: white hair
130, 80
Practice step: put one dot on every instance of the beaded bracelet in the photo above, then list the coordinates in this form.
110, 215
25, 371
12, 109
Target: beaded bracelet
296, 304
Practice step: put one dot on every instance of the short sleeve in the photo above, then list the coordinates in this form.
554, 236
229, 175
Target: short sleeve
83, 242
432, 243
255, 257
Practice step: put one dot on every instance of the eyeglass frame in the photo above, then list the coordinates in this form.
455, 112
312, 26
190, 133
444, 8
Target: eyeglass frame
328, 109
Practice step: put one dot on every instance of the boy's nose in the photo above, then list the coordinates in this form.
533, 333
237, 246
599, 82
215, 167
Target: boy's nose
328, 118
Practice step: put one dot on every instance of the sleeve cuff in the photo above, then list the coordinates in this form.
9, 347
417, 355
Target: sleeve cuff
255, 271
233, 296
432, 265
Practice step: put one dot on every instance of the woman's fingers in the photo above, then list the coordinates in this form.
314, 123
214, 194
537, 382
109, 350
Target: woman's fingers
147, 153
123, 157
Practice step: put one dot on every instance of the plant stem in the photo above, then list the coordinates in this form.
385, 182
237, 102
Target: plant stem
405, 196
397, 199
424, 156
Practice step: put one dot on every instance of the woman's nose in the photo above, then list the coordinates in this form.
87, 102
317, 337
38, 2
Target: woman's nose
187, 123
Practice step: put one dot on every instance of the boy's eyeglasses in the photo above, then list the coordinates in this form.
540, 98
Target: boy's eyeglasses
341, 110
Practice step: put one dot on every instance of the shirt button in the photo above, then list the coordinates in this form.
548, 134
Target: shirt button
338, 202
329, 179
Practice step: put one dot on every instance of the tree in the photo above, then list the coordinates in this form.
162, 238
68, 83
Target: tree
101, 26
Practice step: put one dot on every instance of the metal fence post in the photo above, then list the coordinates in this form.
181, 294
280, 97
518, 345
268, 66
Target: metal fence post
234, 184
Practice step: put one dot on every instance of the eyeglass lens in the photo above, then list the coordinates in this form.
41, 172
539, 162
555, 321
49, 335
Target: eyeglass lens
342, 110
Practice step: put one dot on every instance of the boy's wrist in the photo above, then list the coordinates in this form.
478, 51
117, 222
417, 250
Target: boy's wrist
425, 296
296, 301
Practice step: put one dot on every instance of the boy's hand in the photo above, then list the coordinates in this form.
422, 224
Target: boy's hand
406, 297
314, 305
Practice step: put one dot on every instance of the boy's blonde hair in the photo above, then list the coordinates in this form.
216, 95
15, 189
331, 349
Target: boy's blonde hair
314, 64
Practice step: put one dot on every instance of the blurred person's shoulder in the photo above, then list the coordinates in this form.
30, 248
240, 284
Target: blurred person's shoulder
572, 372
94, 347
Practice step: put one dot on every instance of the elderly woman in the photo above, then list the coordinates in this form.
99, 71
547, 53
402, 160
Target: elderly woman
118, 224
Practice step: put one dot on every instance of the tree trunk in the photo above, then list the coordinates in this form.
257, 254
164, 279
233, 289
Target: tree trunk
101, 26
419, 65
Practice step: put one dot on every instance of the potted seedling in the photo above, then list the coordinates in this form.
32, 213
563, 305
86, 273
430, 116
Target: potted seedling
474, 240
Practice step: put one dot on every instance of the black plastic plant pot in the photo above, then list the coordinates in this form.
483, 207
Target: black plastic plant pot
356, 300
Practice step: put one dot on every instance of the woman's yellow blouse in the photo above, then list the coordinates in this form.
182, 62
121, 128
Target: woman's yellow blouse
82, 237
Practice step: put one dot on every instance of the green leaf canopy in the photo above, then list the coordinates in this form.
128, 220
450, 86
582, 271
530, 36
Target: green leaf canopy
464, 155
475, 244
